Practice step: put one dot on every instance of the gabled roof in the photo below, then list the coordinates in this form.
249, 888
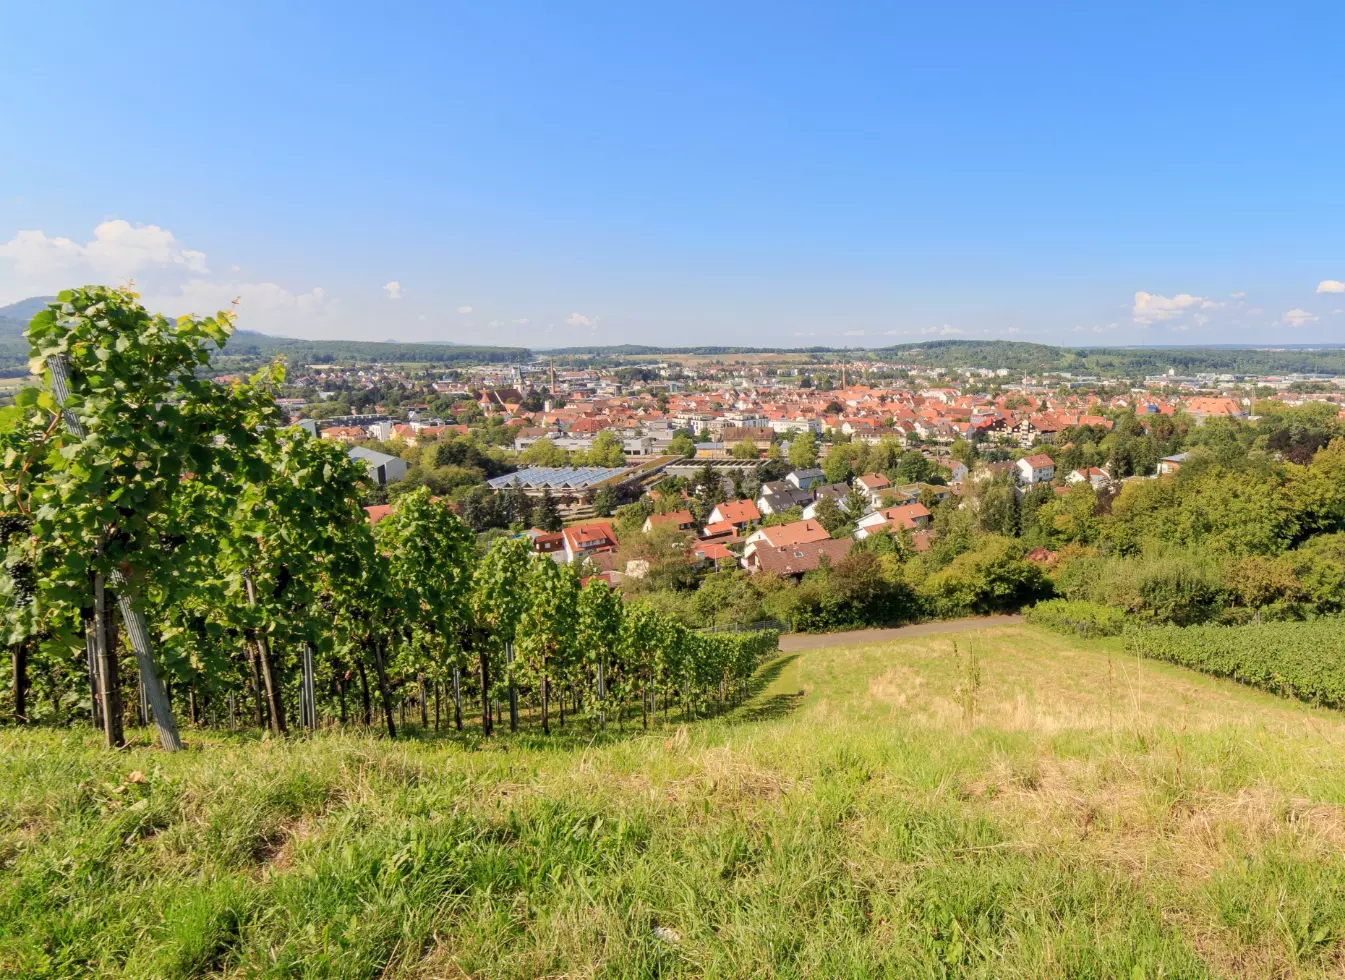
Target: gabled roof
714, 551
911, 512
795, 559
836, 491
587, 536
1038, 461
799, 532
372, 456
739, 511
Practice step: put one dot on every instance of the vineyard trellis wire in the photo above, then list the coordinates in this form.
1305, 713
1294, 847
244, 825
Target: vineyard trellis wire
246, 573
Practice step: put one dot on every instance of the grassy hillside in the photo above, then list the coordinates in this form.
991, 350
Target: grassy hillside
1090, 817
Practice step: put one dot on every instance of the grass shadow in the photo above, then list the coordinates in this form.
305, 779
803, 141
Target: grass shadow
771, 693
769, 698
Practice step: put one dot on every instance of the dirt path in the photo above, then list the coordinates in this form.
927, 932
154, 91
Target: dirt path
795, 642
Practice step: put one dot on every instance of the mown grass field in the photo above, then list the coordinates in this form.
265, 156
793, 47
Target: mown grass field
1094, 817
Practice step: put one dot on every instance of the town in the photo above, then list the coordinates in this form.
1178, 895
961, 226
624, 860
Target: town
759, 466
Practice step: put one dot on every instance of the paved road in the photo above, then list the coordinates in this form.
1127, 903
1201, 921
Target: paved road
795, 642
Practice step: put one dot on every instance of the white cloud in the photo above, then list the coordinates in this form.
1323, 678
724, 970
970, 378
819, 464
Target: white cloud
523, 320
116, 251
1090, 329
1013, 330
1179, 328
898, 333
1238, 295
1201, 319
1296, 318
853, 333
943, 331
800, 333
579, 320
1331, 286
1153, 308
171, 278
394, 290
464, 309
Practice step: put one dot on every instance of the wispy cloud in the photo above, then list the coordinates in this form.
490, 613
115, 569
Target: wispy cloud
946, 330
1296, 317
579, 320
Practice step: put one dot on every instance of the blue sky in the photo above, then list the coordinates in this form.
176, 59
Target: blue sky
765, 173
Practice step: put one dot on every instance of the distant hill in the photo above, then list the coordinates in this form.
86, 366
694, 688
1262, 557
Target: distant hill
1128, 361
14, 317
1019, 356
247, 348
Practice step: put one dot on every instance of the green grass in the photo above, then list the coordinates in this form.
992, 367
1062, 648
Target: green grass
1095, 817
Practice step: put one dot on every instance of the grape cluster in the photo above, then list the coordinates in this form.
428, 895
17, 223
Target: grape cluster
169, 543
24, 582
12, 525
283, 579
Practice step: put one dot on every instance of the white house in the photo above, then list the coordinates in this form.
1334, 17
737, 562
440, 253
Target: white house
805, 479
837, 492
1037, 468
1094, 475
912, 516
1171, 464
779, 496
739, 513
871, 486
798, 423
383, 468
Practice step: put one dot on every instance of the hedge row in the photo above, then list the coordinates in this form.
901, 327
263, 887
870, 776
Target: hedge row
1077, 617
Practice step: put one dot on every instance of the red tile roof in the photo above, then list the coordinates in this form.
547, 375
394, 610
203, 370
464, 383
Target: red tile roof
739, 511
795, 559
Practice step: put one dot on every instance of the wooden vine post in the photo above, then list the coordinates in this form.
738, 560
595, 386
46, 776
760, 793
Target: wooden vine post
136, 630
